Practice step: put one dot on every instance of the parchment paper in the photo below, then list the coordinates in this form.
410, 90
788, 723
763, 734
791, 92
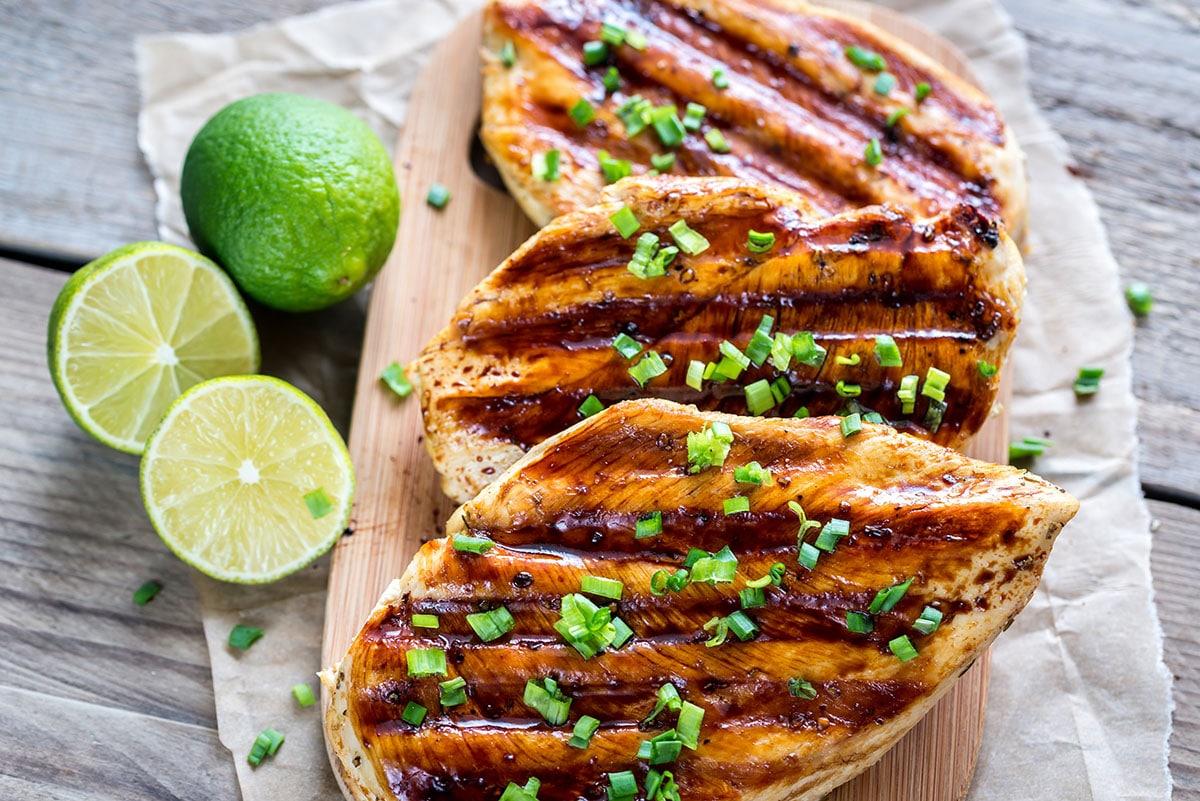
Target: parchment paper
1080, 699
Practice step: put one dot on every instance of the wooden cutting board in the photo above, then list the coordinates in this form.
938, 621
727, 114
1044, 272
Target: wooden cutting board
439, 256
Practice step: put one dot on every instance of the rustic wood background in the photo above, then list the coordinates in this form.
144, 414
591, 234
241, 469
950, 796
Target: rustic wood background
100, 699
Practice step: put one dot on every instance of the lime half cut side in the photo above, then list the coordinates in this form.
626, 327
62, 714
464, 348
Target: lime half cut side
246, 479
134, 329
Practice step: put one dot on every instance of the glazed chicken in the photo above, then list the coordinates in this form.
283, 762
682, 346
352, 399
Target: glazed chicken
772, 649
565, 326
767, 90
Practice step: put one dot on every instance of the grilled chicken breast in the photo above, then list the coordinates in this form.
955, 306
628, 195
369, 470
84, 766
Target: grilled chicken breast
535, 339
797, 110
800, 706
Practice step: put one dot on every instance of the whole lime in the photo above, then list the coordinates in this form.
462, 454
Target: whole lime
295, 197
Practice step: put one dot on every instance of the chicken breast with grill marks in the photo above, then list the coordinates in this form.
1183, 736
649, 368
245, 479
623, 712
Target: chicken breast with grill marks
531, 343
798, 702
797, 111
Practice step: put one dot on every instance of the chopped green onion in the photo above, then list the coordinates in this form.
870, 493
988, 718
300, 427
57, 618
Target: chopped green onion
588, 628
413, 714
648, 525
758, 396
752, 597
776, 573
667, 125
393, 376
1088, 382
719, 79
849, 361
799, 688
145, 593
695, 375
661, 786
636, 40
716, 141
731, 352
545, 165
903, 648
872, 153
859, 623
693, 116
668, 698
633, 113
885, 82
661, 583
759, 241
625, 221
303, 694
604, 587
544, 697
907, 393
594, 53
933, 415
622, 633
493, 624
886, 599
896, 116
847, 390
873, 417
591, 405
622, 786
626, 345
851, 424
808, 555
780, 389
708, 447
741, 625
662, 161
242, 637
515, 792
469, 544
581, 736
265, 744
694, 556
613, 169
866, 59
421, 621
886, 351
759, 347
736, 505
929, 620
717, 568
1027, 447
612, 34
452, 692
935, 384
801, 413
662, 749
689, 241
752, 473
318, 503
425, 662
438, 196
922, 92
611, 80
720, 629
1138, 296
688, 726
645, 262
650, 366
806, 350
508, 54
986, 368
781, 351
832, 532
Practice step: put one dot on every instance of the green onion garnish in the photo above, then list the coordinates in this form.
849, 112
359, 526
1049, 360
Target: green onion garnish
741, 625
613, 169
859, 623
588, 628
591, 405
717, 568
719, 79
648, 525
929, 620
623, 633
581, 736
758, 396
736, 505
493, 624
730, 351
545, 165
896, 116
661, 749
452, 692
934, 414
622, 786
885, 82
661, 786
694, 556
693, 116
604, 587
594, 53
661, 582
688, 726
544, 696
413, 714
438, 196
650, 366
872, 153
625, 221
695, 375
421, 621
752, 473
846, 390
799, 688
808, 555
633, 113
689, 241
759, 242
986, 368
612, 34
508, 54
759, 347
716, 141
806, 350
469, 544
649, 261
752, 597
1027, 447
668, 126
662, 161
886, 351
1138, 296
636, 40
851, 424
425, 662
886, 599
780, 389
922, 92
318, 503
852, 360
708, 447
668, 698
781, 351
242, 637
1088, 382
831, 534
720, 629
303, 694
611, 80
866, 59
907, 393
265, 744
935, 384
393, 375
903, 648
626, 345
776, 573
515, 792
145, 593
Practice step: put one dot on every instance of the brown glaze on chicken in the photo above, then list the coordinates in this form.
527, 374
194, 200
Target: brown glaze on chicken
972, 536
534, 339
797, 111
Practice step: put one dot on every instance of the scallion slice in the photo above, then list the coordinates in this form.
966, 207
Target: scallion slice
780, 389
689, 241
801, 413
693, 116
1027, 447
636, 40
781, 351
650, 366
612, 34
515, 792
613, 169
866, 59
425, 621
662, 749
594, 53
752, 473
545, 165
265, 744
986, 368
853, 360
622, 786
611, 80
668, 699
493, 624
621, 633
752, 597
626, 345
907, 393
425, 662
736, 505
934, 414
1138, 296
662, 161
508, 54
413, 714
799, 688
847, 390
760, 344
303, 694
873, 153
438, 196
922, 91
887, 353
648, 525
716, 141
695, 375
758, 396
633, 113
903, 648
760, 241
586, 627
851, 424
886, 599
452, 692
668, 126
859, 623
717, 568
1088, 381
544, 697
720, 629
581, 736
145, 593
808, 555
708, 447
393, 375
873, 417
896, 116
806, 350
645, 262
935, 385
691, 717
604, 587
719, 79
591, 405
625, 221
929, 620
242, 637
831, 534
885, 82
468, 544
741, 625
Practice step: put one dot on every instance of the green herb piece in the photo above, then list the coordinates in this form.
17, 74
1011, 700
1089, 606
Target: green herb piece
588, 628
515, 792
896, 116
719, 79
668, 126
759, 242
741, 625
594, 53
303, 694
716, 141
758, 397
508, 54
1138, 296
736, 505
648, 525
422, 621
806, 350
695, 375
468, 544
851, 424
934, 414
662, 582
885, 82
242, 637
986, 368
145, 593
545, 698
935, 385
808, 555
720, 629
265, 744
634, 112
689, 241
613, 169
622, 786
438, 196
662, 749
625, 221
922, 92
852, 360
831, 534
752, 473
866, 59
545, 165
612, 34
318, 503
626, 345
847, 390
393, 375
425, 662
929, 620
583, 112
493, 624
413, 714
591, 405
581, 736
693, 116
780, 389
662, 161
886, 599
636, 40
717, 568
604, 587
668, 699
1088, 381
887, 353
691, 717
1028, 447
650, 366
781, 352
903, 648
873, 153
708, 447
799, 688
752, 597
761, 343
859, 623
452, 692
907, 393
611, 80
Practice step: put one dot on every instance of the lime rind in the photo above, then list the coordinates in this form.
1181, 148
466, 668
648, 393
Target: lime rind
209, 516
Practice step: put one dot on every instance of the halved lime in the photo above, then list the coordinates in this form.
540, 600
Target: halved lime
134, 329
246, 479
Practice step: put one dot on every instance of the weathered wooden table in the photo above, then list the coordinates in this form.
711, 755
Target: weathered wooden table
100, 699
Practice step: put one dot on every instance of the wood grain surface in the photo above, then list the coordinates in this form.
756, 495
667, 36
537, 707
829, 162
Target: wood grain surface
1119, 79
